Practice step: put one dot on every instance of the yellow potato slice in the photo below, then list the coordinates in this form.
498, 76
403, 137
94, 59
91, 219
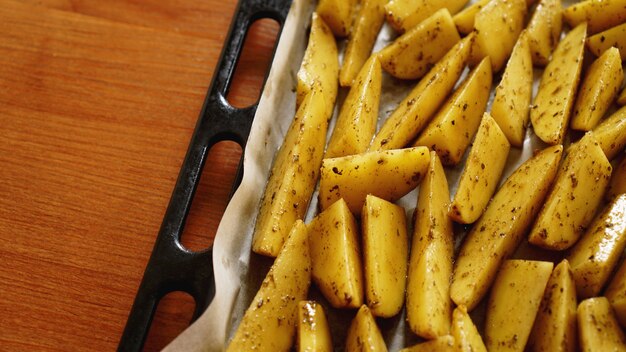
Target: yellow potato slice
335, 256
557, 90
403, 15
385, 255
356, 123
544, 30
515, 298
481, 173
611, 133
313, 331
617, 185
597, 327
452, 129
621, 100
428, 303
464, 20
613, 37
599, 14
411, 55
363, 334
465, 333
600, 86
502, 227
420, 105
440, 344
337, 14
269, 324
572, 202
616, 294
555, 325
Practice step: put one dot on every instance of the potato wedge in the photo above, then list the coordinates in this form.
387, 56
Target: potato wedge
599, 14
363, 334
617, 185
482, 172
555, 325
411, 55
357, 118
451, 131
544, 30
385, 255
464, 20
511, 104
336, 256
598, 90
498, 24
616, 294
465, 333
594, 257
553, 103
403, 15
428, 303
287, 194
597, 327
337, 14
611, 133
420, 105
513, 304
613, 37
313, 331
621, 99
440, 344
572, 202
361, 41
502, 227
388, 174
269, 324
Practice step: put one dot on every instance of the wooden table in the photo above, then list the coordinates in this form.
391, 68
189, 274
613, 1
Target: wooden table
98, 100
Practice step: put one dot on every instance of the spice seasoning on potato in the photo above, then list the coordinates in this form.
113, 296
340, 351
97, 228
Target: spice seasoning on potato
465, 333
464, 20
403, 15
616, 294
363, 334
597, 328
598, 14
617, 185
544, 30
337, 14
611, 133
313, 331
603, 41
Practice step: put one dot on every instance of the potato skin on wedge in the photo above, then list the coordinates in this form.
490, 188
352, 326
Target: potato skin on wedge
597, 327
363, 334
313, 331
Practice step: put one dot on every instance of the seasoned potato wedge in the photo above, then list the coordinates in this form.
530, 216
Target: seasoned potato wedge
515, 298
617, 185
555, 325
557, 90
440, 344
599, 14
403, 15
420, 105
498, 24
611, 133
452, 129
336, 256
356, 123
595, 256
269, 324
621, 99
614, 37
388, 174
482, 172
511, 105
385, 255
544, 30
366, 27
337, 14
465, 333
597, 327
411, 55
428, 303
313, 331
363, 334
501, 228
616, 294
464, 20
287, 194
599, 88
572, 202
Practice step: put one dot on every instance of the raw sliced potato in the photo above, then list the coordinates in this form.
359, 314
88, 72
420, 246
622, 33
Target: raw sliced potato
465, 333
412, 114
496, 235
269, 324
451, 131
515, 298
464, 20
599, 14
616, 294
428, 303
287, 193
597, 327
361, 41
388, 174
440, 344
313, 331
412, 54
614, 37
555, 325
600, 86
553, 103
572, 202
595, 256
385, 255
617, 185
337, 14
498, 24
336, 257
363, 334
621, 99
511, 104
544, 30
611, 133
482, 172
403, 15
356, 123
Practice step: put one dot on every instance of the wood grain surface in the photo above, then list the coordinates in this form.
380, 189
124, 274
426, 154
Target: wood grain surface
98, 101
